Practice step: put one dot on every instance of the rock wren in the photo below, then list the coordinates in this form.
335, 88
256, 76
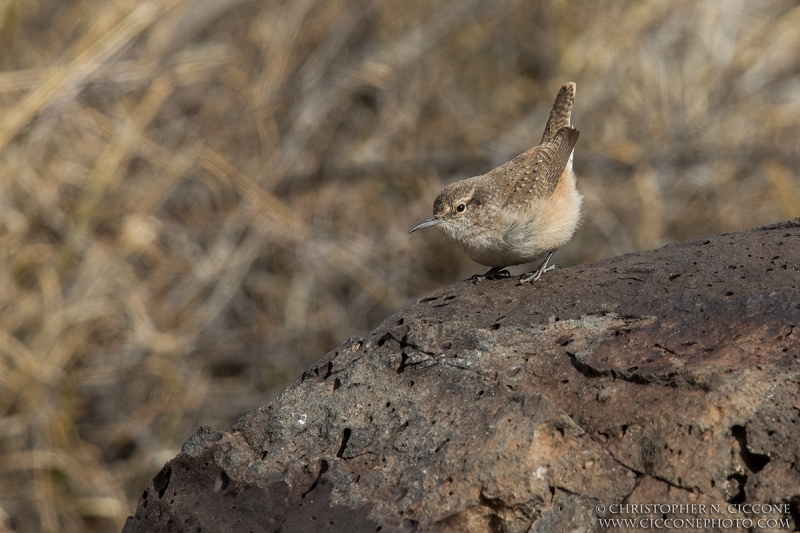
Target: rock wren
520, 210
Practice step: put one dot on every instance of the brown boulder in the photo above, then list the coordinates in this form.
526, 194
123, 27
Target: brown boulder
662, 377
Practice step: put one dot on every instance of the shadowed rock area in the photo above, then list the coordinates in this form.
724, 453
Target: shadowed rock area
669, 376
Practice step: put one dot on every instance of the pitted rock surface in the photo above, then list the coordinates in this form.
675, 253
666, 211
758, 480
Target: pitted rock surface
667, 376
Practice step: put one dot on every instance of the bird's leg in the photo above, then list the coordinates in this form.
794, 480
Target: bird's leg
492, 274
536, 274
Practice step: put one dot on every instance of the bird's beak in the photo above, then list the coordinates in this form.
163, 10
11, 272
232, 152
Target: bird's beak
427, 223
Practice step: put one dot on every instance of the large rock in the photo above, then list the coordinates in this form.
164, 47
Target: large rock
662, 377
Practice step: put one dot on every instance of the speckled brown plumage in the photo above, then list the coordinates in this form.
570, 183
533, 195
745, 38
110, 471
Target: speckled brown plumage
522, 209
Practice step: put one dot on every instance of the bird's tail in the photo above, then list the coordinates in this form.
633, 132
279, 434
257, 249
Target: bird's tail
560, 115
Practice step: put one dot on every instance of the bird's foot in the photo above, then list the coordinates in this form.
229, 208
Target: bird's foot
493, 273
530, 277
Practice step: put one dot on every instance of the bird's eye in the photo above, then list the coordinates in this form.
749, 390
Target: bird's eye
461, 207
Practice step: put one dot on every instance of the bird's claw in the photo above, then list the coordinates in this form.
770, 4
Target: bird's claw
530, 277
493, 274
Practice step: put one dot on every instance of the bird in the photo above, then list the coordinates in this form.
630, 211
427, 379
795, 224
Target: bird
521, 210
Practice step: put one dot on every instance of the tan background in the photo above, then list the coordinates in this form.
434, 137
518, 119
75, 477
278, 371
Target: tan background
199, 198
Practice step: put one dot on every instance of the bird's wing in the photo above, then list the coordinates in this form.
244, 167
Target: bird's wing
535, 173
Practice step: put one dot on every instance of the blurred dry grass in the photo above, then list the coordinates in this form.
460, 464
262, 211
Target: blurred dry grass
199, 198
